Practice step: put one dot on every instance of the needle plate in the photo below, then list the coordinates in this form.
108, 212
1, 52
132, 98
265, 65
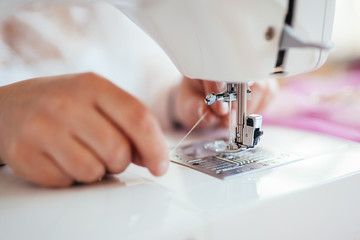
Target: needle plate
226, 165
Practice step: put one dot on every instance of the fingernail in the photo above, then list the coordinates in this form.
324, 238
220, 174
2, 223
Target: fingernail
162, 168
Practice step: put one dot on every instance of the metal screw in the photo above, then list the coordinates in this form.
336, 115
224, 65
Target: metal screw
269, 34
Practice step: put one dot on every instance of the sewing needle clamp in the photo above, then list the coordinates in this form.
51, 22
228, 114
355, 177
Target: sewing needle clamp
247, 130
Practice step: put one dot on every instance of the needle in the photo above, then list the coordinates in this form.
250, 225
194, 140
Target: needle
230, 125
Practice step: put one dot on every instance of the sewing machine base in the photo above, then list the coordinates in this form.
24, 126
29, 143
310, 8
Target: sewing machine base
226, 165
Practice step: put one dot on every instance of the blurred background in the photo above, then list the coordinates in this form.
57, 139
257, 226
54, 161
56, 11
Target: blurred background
327, 100
346, 35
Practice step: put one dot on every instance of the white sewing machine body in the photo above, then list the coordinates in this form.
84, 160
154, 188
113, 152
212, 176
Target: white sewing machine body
227, 40
235, 41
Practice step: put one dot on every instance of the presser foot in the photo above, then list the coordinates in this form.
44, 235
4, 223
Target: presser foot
251, 134
221, 146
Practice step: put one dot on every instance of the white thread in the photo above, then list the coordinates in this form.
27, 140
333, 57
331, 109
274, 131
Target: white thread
230, 123
195, 125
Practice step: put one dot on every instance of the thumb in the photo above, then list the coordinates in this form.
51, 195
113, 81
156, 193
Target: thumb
190, 106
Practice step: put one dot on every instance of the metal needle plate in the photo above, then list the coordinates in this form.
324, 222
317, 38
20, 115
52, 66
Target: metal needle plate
226, 165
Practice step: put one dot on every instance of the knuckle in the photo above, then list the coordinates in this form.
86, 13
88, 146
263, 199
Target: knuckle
33, 122
106, 138
91, 75
118, 158
94, 79
52, 103
90, 172
112, 155
57, 102
145, 121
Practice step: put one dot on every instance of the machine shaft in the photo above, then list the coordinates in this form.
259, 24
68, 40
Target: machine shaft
231, 88
247, 127
241, 101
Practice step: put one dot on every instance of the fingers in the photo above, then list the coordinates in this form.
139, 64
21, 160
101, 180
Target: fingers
262, 91
85, 125
75, 159
107, 142
40, 169
139, 125
190, 105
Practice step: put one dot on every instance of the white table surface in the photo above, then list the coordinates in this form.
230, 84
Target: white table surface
316, 198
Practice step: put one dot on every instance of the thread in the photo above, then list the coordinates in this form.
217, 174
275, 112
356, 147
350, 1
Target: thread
195, 125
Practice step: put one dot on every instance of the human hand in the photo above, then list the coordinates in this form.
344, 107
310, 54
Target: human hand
190, 106
62, 129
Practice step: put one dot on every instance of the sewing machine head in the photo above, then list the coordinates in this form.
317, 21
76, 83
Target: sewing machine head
231, 40
238, 42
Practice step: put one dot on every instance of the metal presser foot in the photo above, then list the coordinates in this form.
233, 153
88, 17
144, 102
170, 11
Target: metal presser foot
248, 127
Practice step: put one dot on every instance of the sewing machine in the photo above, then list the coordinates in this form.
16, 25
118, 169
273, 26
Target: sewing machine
238, 42
316, 198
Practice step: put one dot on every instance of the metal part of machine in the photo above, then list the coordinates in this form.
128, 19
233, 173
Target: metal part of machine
248, 127
227, 164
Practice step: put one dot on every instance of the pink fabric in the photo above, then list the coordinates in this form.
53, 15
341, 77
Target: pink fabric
326, 105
